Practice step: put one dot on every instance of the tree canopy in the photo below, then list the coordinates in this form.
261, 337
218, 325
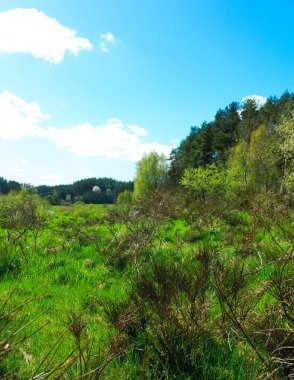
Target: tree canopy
235, 124
152, 172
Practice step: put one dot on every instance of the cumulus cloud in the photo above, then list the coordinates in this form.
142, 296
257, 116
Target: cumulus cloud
19, 118
259, 100
106, 40
138, 130
114, 139
30, 31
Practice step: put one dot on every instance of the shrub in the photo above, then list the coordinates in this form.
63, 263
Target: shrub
21, 213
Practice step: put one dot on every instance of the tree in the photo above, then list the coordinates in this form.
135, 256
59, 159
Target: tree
263, 158
225, 128
196, 150
269, 114
152, 173
125, 199
249, 121
238, 165
21, 213
4, 189
204, 181
254, 165
286, 146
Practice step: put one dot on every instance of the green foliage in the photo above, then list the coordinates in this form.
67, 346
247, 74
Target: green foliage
255, 165
238, 165
10, 262
249, 116
125, 198
211, 142
225, 131
263, 158
152, 173
83, 190
204, 181
7, 186
286, 135
194, 151
90, 191
23, 212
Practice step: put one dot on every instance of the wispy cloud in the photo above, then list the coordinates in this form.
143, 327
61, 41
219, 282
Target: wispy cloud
114, 139
103, 47
109, 37
106, 40
31, 31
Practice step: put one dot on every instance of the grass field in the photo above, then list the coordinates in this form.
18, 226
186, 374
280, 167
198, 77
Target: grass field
98, 294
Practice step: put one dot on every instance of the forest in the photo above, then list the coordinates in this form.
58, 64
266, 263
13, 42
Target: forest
184, 273
90, 190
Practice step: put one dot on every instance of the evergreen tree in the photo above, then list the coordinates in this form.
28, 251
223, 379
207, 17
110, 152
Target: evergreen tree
249, 115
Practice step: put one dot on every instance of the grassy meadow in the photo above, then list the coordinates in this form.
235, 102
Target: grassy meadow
63, 276
134, 293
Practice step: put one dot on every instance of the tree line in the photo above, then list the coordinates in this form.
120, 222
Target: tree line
90, 190
251, 143
212, 142
245, 149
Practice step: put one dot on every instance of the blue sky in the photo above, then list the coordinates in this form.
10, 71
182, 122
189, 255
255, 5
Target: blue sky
86, 87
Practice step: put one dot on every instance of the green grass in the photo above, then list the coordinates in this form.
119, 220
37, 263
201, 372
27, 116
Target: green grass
75, 280
70, 274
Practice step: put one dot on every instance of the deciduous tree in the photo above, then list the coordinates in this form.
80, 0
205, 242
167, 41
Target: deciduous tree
152, 172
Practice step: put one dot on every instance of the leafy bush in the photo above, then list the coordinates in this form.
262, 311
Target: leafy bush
22, 213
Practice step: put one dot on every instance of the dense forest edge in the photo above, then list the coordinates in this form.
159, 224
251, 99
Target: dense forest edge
184, 273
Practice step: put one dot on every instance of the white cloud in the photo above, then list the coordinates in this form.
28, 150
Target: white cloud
103, 47
138, 130
115, 140
106, 39
19, 118
260, 100
109, 37
31, 31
